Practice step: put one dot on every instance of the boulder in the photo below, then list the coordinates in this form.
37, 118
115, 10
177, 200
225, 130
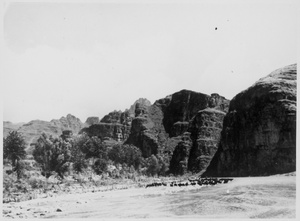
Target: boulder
259, 130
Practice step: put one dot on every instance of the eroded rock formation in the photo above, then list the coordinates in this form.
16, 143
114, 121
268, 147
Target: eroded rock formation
164, 126
69, 122
205, 130
116, 125
92, 120
116, 131
259, 133
181, 154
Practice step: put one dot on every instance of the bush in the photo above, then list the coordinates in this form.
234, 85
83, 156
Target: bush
100, 166
36, 183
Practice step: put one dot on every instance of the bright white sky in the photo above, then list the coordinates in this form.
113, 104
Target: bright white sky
89, 59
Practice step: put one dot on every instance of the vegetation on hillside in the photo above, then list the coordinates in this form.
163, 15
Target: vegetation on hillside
61, 162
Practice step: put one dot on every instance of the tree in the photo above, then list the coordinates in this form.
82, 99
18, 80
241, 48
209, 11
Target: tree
163, 164
116, 154
14, 149
153, 165
133, 156
94, 148
100, 166
78, 158
53, 155
128, 154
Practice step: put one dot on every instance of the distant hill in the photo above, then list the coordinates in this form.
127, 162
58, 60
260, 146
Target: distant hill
33, 129
9, 126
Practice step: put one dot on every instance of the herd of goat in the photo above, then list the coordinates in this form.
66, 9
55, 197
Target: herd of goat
192, 182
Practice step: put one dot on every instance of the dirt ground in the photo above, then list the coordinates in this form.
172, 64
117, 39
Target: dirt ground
249, 197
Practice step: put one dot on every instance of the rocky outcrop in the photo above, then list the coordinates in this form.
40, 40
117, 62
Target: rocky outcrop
115, 131
116, 125
142, 101
181, 154
143, 134
161, 127
68, 123
91, 120
112, 117
205, 131
259, 133
185, 104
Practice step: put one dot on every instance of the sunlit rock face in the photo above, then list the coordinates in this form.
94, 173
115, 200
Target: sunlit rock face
259, 130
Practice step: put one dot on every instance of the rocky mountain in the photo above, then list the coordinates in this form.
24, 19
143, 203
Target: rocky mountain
115, 126
68, 123
253, 134
259, 130
205, 132
166, 128
177, 121
33, 129
9, 126
142, 101
91, 120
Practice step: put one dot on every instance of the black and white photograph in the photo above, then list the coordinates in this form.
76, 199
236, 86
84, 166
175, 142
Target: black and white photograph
140, 109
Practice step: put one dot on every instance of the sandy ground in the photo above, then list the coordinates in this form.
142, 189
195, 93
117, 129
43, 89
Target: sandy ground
251, 197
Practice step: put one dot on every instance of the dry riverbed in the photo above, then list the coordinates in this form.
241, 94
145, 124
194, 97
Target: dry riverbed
249, 197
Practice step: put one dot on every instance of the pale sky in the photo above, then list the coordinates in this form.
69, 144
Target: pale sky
88, 59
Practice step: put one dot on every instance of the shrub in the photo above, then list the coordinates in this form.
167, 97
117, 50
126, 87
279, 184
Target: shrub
36, 183
100, 166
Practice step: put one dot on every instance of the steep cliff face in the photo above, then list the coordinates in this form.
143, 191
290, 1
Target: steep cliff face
181, 154
205, 131
145, 129
259, 133
184, 105
163, 127
116, 125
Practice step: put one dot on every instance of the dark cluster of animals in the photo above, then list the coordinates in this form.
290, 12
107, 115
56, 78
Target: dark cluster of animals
156, 184
192, 182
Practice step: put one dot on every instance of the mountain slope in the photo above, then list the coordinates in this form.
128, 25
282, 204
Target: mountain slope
259, 133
